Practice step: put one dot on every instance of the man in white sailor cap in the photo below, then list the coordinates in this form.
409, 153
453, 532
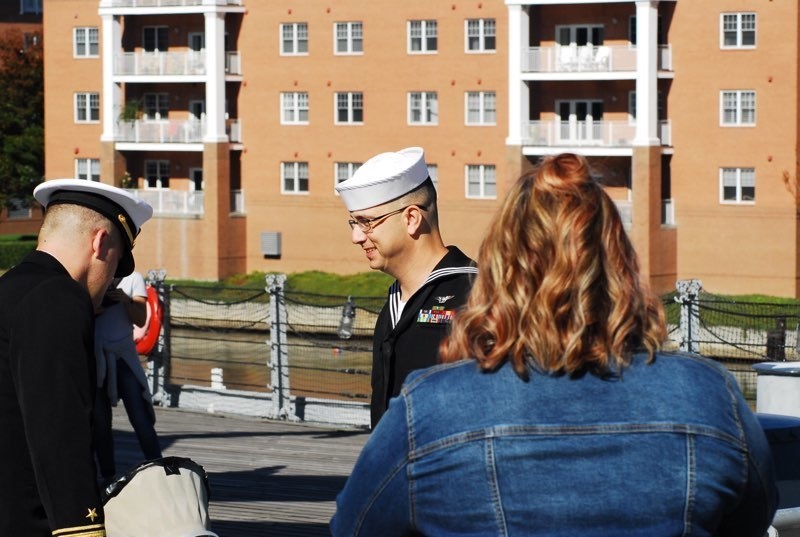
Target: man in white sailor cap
47, 363
394, 219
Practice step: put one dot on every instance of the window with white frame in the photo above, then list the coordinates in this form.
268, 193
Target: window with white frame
294, 38
87, 169
481, 181
196, 183
30, 6
661, 35
155, 38
580, 35
480, 35
294, 177
87, 107
85, 43
481, 108
423, 37
156, 173
197, 41
661, 106
423, 108
737, 185
349, 37
155, 106
294, 108
433, 173
737, 107
737, 30
345, 170
349, 107
197, 110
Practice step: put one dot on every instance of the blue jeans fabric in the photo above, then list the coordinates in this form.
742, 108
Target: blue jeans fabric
665, 449
140, 414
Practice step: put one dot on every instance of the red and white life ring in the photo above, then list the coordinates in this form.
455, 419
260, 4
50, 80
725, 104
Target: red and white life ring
146, 336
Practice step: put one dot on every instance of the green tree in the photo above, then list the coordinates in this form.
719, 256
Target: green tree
21, 116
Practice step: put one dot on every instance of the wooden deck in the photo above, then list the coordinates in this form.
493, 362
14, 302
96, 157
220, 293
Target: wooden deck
267, 478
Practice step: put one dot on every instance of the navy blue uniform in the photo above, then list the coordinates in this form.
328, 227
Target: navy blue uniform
47, 386
410, 342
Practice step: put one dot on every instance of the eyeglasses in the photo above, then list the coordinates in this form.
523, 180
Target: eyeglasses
366, 224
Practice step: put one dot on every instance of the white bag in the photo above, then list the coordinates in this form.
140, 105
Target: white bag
165, 497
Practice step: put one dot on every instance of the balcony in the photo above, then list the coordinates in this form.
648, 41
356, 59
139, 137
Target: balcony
189, 131
625, 209
158, 63
182, 203
588, 59
169, 3
172, 202
587, 133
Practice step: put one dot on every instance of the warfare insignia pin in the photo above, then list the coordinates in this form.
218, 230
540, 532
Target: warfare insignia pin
443, 299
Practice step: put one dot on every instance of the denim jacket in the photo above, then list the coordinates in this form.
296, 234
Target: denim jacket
665, 449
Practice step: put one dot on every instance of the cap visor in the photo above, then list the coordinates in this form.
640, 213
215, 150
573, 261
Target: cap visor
125, 266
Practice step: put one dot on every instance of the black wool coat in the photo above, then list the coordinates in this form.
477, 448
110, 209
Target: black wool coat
47, 389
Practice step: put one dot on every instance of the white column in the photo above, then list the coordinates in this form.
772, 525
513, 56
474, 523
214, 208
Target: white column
518, 91
215, 77
646, 73
111, 97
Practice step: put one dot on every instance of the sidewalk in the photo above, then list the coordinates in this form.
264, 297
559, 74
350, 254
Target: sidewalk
267, 478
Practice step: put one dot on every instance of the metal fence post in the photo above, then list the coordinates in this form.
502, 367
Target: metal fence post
159, 358
690, 312
282, 406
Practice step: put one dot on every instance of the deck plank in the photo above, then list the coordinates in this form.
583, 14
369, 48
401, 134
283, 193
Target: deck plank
268, 478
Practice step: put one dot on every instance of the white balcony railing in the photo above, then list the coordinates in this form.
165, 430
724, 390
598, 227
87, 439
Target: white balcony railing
180, 202
163, 132
159, 63
237, 201
668, 212
233, 63
665, 132
587, 59
171, 131
172, 202
625, 209
587, 133
168, 3
233, 128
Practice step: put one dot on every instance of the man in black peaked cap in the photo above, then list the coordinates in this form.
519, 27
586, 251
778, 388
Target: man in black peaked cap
47, 363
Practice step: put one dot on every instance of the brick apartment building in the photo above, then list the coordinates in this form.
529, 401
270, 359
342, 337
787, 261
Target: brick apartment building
236, 118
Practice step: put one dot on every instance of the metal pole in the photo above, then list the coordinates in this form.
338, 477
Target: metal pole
282, 406
690, 312
160, 356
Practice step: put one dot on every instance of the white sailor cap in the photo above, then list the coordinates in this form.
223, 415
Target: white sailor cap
126, 212
383, 178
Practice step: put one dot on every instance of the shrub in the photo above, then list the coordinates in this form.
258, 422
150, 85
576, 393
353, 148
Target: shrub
13, 248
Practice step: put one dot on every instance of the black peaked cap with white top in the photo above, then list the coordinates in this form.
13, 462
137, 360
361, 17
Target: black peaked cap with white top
125, 211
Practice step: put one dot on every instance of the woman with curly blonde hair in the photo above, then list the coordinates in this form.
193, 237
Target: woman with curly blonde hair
555, 412
559, 284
